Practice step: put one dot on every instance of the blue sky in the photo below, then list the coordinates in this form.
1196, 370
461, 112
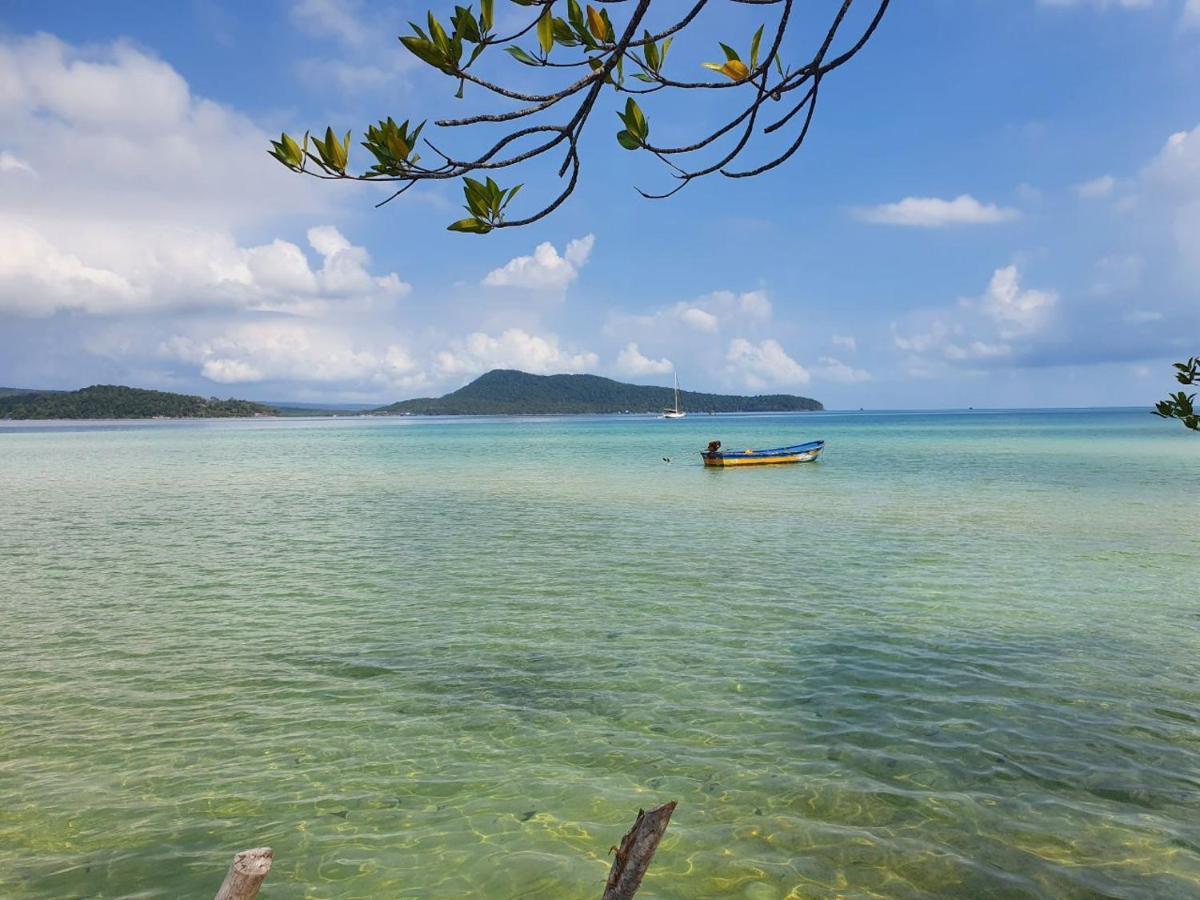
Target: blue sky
998, 205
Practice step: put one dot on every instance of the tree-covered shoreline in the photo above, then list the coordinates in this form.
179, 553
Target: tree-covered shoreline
507, 392
110, 401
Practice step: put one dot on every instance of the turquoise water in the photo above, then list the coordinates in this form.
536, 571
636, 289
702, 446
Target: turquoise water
425, 658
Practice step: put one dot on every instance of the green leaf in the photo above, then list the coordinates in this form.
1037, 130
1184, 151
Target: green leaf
651, 51
665, 47
754, 47
487, 14
521, 56
628, 141
438, 35
425, 51
730, 53
574, 13
563, 34
634, 120
470, 226
545, 31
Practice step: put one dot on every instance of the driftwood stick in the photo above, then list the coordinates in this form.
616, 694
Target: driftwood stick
636, 850
246, 875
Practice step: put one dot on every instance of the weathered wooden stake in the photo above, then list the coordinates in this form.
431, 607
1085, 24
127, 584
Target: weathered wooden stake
246, 875
636, 850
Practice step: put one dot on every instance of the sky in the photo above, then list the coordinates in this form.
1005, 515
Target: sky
998, 205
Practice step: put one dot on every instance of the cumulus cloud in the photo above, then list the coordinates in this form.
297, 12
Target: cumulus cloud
631, 361
700, 319
545, 270
514, 348
763, 365
130, 213
1018, 310
297, 351
707, 314
1007, 319
134, 269
932, 212
1171, 185
1096, 188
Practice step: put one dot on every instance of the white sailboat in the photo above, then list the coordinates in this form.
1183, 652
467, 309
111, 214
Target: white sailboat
676, 412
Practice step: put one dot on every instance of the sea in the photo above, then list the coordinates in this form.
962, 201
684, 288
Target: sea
959, 656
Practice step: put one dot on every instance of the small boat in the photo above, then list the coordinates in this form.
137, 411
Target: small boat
797, 453
675, 412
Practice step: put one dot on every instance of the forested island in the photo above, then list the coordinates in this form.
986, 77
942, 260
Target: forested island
507, 392
110, 401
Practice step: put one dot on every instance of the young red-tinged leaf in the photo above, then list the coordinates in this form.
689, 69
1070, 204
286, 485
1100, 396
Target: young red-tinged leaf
596, 24
736, 70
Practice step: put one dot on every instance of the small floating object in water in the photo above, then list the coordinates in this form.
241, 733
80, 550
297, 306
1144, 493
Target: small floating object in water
666, 459
797, 453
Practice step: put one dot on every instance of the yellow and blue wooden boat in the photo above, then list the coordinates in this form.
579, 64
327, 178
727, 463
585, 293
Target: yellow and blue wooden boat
797, 453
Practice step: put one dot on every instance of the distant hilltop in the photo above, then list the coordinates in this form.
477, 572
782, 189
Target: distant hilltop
110, 401
507, 392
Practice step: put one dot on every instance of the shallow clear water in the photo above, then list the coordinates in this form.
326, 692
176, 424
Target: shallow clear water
425, 658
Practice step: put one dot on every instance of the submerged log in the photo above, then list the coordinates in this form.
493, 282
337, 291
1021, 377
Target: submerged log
636, 850
246, 875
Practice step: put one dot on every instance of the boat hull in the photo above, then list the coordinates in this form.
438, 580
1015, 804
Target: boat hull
779, 456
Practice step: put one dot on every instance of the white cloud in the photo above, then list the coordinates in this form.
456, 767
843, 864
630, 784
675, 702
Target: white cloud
707, 314
1096, 188
117, 132
697, 318
143, 187
545, 270
10, 163
290, 350
845, 341
922, 342
631, 361
513, 349
1171, 185
831, 369
1018, 311
133, 268
932, 212
763, 365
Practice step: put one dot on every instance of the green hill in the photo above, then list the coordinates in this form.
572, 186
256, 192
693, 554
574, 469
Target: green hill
507, 392
109, 401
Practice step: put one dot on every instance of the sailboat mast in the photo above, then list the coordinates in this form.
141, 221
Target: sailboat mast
676, 391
